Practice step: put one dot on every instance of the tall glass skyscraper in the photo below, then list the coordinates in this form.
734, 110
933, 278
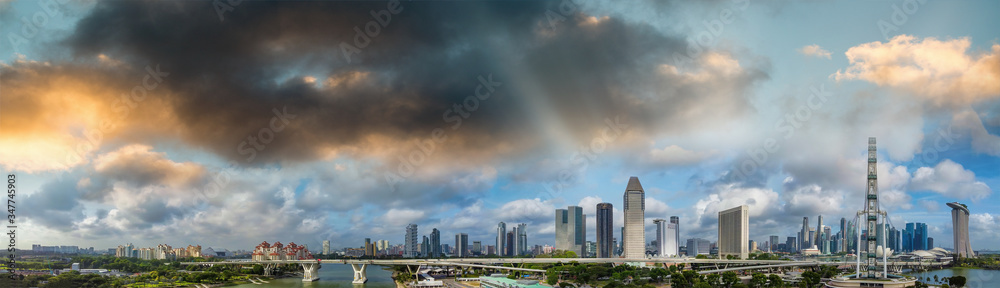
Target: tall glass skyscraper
502, 238
435, 244
521, 243
605, 230
908, 237
920, 236
461, 245
677, 232
571, 230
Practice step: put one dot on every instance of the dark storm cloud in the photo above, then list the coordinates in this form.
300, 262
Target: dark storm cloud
227, 78
55, 205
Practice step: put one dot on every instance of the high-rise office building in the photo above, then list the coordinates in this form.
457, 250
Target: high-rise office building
522, 239
425, 247
697, 246
621, 243
369, 247
461, 245
960, 230
893, 238
842, 245
791, 246
677, 231
908, 238
670, 244
635, 206
410, 243
605, 230
435, 244
804, 234
326, 247
477, 247
501, 239
920, 236
571, 230
930, 243
881, 234
773, 244
734, 232
819, 231
661, 234
511, 239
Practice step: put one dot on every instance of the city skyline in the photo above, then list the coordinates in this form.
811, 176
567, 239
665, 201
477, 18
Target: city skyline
123, 127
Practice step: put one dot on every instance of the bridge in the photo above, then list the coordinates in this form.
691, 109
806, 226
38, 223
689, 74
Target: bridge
311, 266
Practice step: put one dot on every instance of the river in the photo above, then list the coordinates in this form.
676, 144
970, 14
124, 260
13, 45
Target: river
975, 278
334, 275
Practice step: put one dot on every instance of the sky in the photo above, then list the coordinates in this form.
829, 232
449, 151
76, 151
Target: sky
191, 122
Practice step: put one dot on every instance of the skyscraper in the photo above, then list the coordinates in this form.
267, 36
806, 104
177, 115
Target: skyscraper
410, 243
326, 247
570, 230
477, 247
804, 241
522, 240
773, 244
425, 247
670, 244
511, 239
791, 245
920, 236
880, 234
661, 234
435, 244
734, 232
697, 246
369, 247
819, 231
605, 230
960, 232
635, 206
461, 245
908, 238
501, 239
677, 231
843, 235
621, 243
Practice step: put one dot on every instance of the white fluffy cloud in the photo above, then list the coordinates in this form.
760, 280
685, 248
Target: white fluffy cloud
940, 71
950, 179
815, 51
759, 200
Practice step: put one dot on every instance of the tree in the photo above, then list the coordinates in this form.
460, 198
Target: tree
758, 280
700, 256
658, 274
810, 279
729, 278
956, 281
712, 279
551, 277
935, 278
775, 281
702, 285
